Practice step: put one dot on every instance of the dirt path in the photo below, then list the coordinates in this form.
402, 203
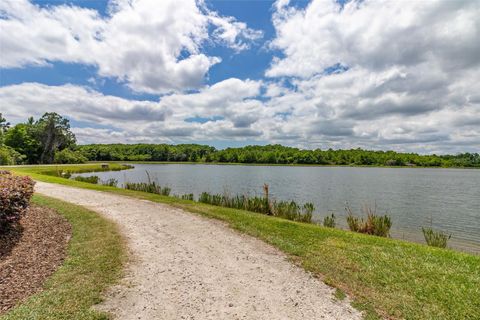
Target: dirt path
188, 267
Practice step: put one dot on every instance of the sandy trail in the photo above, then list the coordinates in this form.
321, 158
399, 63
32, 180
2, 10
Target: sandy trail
189, 267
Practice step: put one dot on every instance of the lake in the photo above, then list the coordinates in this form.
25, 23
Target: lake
446, 199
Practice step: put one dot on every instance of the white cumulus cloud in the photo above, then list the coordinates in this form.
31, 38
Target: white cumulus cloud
152, 46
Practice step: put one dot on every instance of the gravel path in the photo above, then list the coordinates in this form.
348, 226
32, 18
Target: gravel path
189, 267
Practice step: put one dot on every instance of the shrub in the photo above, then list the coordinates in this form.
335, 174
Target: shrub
69, 156
91, 179
9, 156
436, 238
15, 194
374, 224
329, 221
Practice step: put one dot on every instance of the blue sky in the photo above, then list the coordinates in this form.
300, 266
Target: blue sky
312, 74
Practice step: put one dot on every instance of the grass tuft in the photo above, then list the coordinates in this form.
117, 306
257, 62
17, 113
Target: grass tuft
436, 238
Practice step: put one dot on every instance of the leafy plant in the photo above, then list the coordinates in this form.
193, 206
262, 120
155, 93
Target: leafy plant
69, 156
329, 221
436, 238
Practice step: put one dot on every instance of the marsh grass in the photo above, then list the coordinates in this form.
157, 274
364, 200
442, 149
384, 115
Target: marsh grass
91, 179
436, 238
373, 224
329, 221
289, 210
188, 196
150, 187
112, 182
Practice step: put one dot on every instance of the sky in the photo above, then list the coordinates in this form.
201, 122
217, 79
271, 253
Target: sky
381, 75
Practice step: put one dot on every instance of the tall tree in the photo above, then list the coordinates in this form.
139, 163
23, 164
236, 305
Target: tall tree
53, 133
4, 125
21, 137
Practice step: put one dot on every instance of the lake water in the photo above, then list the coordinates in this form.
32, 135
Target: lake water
447, 199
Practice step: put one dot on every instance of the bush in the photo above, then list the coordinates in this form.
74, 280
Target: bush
69, 156
91, 179
9, 156
374, 224
436, 238
15, 194
329, 221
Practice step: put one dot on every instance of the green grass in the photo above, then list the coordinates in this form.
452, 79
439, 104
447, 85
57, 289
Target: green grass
392, 278
94, 261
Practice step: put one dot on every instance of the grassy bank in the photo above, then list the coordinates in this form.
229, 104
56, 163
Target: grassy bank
94, 262
393, 278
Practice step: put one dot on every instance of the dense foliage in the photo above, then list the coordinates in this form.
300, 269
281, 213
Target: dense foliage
47, 140
50, 140
15, 194
271, 154
146, 152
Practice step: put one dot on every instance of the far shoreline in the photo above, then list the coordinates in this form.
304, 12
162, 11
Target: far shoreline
276, 164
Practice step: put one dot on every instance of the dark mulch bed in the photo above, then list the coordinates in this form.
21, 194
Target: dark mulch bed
29, 253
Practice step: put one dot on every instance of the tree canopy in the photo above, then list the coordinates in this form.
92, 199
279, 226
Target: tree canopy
50, 140
37, 141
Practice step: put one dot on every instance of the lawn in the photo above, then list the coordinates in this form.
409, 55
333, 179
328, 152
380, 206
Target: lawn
387, 277
95, 256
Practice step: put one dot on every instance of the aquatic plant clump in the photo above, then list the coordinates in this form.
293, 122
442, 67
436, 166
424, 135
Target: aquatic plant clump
436, 238
112, 182
374, 224
91, 179
329, 221
284, 209
150, 187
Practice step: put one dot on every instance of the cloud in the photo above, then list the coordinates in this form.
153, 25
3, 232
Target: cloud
375, 35
152, 46
228, 104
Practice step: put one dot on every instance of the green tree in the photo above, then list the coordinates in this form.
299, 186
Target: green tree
4, 125
22, 138
53, 133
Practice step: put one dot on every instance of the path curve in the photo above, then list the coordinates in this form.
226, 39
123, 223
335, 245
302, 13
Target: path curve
188, 267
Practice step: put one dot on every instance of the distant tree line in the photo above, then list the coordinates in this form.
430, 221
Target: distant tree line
50, 140
271, 154
46, 140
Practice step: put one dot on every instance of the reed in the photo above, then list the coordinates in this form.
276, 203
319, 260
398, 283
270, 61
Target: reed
91, 179
329, 221
188, 196
150, 187
373, 224
436, 238
284, 209
112, 182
